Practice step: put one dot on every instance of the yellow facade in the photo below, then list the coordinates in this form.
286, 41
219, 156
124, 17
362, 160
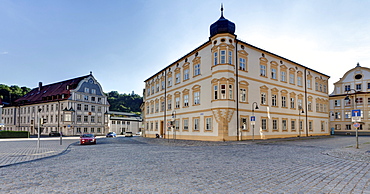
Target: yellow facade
209, 93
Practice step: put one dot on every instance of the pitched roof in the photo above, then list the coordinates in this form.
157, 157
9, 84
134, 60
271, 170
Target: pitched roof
52, 92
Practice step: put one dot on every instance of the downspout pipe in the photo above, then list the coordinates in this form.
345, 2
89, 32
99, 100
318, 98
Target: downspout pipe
237, 91
305, 101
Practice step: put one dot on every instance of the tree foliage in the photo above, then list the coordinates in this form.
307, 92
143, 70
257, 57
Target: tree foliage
118, 102
124, 102
11, 93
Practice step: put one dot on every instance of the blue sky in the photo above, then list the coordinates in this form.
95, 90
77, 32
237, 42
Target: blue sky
124, 42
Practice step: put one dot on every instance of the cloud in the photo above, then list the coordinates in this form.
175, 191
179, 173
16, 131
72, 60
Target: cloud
4, 53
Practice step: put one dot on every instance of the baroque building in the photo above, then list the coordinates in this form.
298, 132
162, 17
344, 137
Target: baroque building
351, 92
73, 107
214, 91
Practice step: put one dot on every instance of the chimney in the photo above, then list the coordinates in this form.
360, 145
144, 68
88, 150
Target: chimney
40, 86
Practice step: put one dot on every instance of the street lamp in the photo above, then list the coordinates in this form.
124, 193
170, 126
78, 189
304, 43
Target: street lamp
299, 120
354, 105
38, 127
173, 125
254, 106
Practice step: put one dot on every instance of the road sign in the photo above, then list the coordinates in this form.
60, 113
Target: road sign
253, 118
356, 119
356, 113
356, 125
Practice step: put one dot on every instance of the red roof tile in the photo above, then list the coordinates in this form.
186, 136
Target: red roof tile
51, 92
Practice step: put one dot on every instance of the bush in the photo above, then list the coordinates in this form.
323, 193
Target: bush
14, 134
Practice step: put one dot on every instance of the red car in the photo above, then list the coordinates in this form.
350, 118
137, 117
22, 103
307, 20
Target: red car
87, 139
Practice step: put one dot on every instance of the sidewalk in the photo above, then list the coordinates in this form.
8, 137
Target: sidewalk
15, 151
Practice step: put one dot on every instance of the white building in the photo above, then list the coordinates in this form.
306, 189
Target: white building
72, 107
121, 122
212, 92
351, 92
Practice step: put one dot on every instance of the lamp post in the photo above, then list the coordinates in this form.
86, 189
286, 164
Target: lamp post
254, 106
299, 120
173, 125
354, 105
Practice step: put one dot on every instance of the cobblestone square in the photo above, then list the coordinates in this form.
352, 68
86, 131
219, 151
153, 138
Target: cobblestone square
139, 165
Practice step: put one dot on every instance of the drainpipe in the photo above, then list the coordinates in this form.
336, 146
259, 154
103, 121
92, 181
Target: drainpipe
165, 102
305, 101
237, 92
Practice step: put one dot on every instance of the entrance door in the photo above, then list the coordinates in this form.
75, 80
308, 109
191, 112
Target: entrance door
161, 129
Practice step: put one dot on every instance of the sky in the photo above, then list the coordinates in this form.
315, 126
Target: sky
124, 42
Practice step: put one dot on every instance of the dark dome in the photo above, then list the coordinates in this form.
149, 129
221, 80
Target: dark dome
222, 25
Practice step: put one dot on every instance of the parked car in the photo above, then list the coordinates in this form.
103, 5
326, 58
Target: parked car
54, 134
128, 134
87, 138
111, 134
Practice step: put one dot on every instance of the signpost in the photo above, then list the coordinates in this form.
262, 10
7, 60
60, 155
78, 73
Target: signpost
356, 117
253, 122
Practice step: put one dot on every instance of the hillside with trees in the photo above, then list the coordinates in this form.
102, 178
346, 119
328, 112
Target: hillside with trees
118, 102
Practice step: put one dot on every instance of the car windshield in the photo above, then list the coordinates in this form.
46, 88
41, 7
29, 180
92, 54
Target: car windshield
87, 135
110, 133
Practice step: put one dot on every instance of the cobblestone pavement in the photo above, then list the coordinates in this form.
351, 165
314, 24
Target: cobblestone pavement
140, 165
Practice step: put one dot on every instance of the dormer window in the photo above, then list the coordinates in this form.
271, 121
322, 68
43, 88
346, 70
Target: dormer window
86, 90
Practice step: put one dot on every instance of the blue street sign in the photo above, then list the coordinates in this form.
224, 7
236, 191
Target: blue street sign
356, 113
253, 118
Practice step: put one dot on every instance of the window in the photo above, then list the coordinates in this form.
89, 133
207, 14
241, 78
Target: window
230, 57
86, 107
196, 69
186, 74
283, 101
196, 124
152, 89
196, 97
215, 58
92, 130
93, 98
263, 98
177, 125
162, 106
78, 106
308, 83
292, 102
223, 91
359, 100
336, 102
157, 87
162, 85
284, 125
86, 98
86, 119
322, 126
78, 118
273, 73
86, 90
348, 127
85, 130
93, 91
243, 95
358, 86
178, 78
283, 76
222, 57
275, 125
92, 108
78, 130
244, 123
152, 108
186, 100
99, 119
242, 65
93, 119
186, 124
337, 115
264, 124
309, 106
273, 98
215, 91
230, 91
99, 108
169, 81
347, 88
299, 81
169, 104
292, 123
177, 102
263, 70
157, 107
208, 123
347, 115
291, 78
368, 85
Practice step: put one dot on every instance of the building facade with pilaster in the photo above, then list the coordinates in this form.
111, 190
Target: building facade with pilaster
351, 92
212, 92
73, 107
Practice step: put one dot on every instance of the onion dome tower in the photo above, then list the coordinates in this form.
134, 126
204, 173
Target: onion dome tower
222, 25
